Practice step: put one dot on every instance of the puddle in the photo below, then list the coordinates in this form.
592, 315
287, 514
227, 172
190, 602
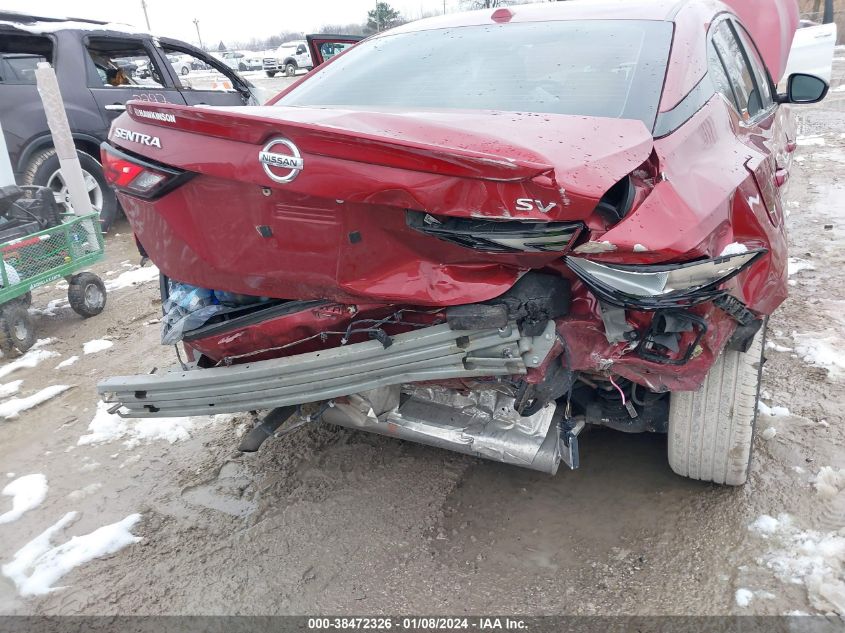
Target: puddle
231, 492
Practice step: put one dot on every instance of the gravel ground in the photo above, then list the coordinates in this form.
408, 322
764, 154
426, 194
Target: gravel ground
334, 521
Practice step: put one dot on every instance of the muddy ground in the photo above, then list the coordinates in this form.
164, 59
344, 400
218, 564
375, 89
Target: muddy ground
334, 521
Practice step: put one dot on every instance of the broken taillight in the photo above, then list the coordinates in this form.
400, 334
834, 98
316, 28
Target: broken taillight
136, 176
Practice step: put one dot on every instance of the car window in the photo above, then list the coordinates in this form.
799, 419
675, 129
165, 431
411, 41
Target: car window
761, 75
196, 73
716, 69
19, 57
748, 98
605, 68
123, 63
330, 49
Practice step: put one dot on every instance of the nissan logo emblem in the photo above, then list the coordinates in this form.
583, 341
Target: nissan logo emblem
284, 166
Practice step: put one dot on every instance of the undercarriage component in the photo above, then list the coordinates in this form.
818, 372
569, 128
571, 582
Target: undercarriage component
432, 353
480, 423
622, 407
497, 236
253, 440
748, 323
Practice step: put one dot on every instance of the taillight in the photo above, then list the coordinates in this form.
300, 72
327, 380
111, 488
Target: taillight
137, 176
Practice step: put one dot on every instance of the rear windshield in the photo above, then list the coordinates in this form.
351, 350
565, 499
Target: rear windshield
606, 68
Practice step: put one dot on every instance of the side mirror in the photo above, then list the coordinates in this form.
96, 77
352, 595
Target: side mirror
802, 88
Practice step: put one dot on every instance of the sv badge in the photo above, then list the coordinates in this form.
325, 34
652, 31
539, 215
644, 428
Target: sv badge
527, 204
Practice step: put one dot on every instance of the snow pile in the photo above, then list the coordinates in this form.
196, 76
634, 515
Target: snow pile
97, 345
820, 351
795, 265
769, 433
14, 406
67, 362
38, 565
29, 360
829, 482
743, 597
10, 388
84, 492
108, 427
774, 412
806, 557
132, 277
27, 492
777, 348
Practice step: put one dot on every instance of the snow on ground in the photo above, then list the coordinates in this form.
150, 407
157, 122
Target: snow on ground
812, 141
10, 388
90, 489
97, 345
773, 411
821, 351
132, 277
795, 265
14, 406
27, 492
810, 558
829, 482
777, 348
38, 565
67, 362
29, 360
743, 597
108, 427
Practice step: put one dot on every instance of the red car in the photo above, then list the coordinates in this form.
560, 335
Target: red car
483, 231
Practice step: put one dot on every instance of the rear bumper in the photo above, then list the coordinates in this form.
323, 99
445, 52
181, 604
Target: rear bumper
427, 354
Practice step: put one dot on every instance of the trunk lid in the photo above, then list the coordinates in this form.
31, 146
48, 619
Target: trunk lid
335, 209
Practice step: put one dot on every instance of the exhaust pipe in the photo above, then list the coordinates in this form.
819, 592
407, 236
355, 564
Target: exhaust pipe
482, 424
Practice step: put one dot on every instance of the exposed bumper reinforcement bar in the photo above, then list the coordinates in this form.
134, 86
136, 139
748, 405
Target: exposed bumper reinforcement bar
432, 353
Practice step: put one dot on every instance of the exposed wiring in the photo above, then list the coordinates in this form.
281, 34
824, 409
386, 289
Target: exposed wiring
619, 389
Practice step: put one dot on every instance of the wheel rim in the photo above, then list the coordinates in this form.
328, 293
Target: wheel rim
57, 183
20, 331
93, 296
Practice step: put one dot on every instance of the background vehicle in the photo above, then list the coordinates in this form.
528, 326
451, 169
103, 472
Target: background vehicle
288, 58
494, 256
235, 60
812, 50
86, 61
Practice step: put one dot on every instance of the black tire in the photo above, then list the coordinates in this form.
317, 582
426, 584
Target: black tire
270, 73
185, 70
86, 294
16, 328
43, 171
242, 67
290, 69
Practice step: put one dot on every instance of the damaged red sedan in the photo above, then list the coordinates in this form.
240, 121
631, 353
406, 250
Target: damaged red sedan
483, 232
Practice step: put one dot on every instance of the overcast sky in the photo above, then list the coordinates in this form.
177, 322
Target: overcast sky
224, 20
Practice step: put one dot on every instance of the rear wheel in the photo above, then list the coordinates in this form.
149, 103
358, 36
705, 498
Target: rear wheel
185, 70
86, 294
16, 328
711, 430
44, 171
290, 69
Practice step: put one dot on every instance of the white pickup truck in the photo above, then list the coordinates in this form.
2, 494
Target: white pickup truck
812, 50
288, 58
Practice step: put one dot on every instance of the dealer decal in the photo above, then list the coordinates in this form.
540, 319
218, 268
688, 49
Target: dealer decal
166, 117
137, 137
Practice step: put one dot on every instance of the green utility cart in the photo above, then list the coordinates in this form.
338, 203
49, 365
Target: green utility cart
36, 259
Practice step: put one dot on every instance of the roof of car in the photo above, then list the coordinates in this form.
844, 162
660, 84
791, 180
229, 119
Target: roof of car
571, 10
42, 24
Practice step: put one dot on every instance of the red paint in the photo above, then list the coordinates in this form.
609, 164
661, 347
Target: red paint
712, 182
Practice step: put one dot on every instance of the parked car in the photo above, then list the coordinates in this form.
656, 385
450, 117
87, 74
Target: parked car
576, 220
812, 50
253, 61
181, 64
87, 56
235, 60
288, 58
